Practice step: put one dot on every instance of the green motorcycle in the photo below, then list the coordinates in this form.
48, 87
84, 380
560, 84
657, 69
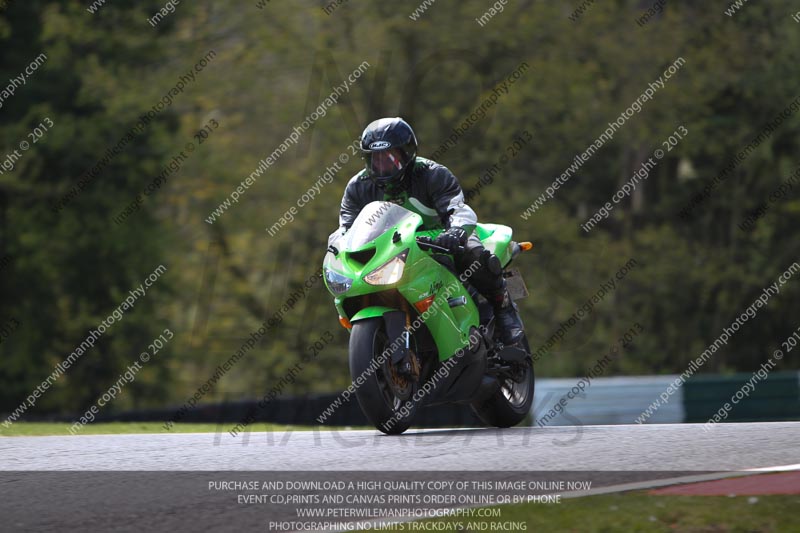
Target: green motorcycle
419, 334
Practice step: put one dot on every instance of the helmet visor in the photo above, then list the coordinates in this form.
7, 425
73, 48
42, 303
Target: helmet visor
385, 163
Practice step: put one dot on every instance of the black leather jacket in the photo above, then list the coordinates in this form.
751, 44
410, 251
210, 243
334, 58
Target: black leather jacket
431, 190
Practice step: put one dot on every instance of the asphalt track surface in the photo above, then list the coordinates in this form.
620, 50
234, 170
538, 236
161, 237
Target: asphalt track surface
678, 447
162, 482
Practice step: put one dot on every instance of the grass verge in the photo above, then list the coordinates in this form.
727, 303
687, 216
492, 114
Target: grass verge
633, 511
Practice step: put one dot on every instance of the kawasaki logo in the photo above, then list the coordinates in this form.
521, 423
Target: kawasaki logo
435, 287
379, 145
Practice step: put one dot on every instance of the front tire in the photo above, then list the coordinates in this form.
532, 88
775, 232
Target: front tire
385, 399
511, 402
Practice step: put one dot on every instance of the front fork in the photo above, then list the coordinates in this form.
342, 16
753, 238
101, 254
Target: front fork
404, 360
398, 328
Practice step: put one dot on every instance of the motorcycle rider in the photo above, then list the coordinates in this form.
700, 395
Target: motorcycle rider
393, 172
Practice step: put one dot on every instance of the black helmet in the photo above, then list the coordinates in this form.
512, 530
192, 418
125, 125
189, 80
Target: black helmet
389, 146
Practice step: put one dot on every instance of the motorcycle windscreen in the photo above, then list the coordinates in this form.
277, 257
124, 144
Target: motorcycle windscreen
373, 221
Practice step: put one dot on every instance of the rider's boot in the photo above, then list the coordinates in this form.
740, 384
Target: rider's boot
507, 317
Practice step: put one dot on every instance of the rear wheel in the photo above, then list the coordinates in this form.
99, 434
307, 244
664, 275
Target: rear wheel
511, 402
384, 396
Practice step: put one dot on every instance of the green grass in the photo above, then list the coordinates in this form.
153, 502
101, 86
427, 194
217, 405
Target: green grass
35, 429
641, 512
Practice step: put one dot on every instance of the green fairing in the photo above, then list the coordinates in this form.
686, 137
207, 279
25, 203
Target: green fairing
421, 277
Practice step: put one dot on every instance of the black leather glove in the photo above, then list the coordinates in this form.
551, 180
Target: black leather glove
452, 238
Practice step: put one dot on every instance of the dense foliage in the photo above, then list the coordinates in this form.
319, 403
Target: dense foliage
65, 270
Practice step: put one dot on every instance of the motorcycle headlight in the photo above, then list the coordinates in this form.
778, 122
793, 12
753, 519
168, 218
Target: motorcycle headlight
389, 272
337, 283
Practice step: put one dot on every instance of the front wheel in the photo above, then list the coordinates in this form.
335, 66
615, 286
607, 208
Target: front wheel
384, 396
511, 402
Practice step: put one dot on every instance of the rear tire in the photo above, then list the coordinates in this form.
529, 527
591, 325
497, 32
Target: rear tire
511, 402
380, 396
